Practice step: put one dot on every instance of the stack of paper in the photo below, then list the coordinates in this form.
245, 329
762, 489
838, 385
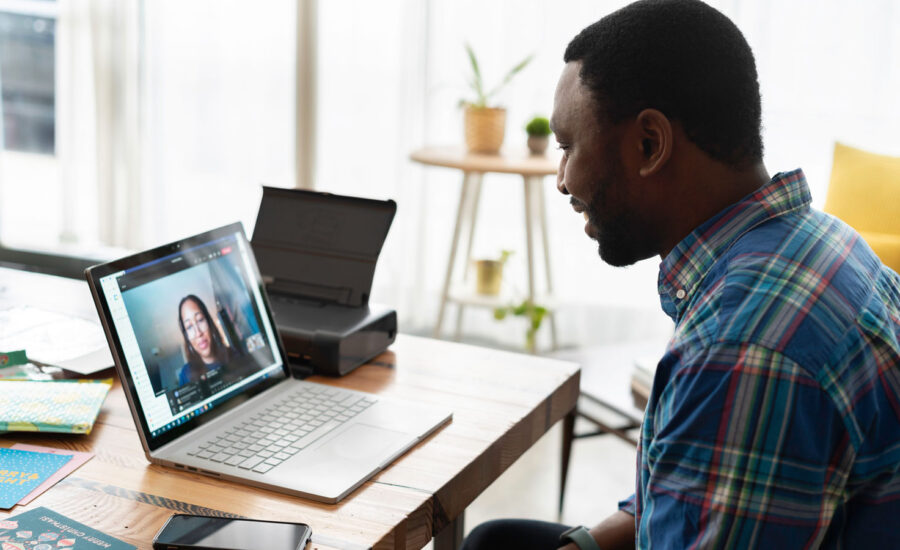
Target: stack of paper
26, 471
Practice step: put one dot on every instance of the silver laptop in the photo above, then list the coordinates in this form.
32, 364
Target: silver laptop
207, 380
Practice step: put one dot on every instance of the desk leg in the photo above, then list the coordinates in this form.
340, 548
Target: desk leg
454, 244
451, 536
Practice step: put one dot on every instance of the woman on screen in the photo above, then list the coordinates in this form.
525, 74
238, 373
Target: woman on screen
203, 346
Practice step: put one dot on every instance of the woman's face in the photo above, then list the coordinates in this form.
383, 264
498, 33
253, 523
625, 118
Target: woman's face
196, 327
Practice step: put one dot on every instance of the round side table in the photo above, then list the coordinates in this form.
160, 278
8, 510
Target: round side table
533, 169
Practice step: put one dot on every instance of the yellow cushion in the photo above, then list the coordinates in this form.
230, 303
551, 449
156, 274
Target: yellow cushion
865, 192
886, 246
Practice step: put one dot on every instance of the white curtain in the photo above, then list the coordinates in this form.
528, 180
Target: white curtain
171, 115
99, 121
391, 75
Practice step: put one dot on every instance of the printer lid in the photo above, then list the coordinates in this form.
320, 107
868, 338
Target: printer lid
318, 245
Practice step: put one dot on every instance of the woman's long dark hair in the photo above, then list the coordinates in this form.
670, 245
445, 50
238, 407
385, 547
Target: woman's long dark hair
219, 349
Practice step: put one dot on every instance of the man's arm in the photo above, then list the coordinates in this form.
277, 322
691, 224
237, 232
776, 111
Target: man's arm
614, 533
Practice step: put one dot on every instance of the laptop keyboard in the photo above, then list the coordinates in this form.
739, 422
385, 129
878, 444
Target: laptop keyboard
266, 439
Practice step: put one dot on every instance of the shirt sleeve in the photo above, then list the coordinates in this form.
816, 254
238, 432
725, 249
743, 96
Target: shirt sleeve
627, 505
746, 449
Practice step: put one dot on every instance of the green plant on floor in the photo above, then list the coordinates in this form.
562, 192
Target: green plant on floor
532, 312
482, 96
538, 126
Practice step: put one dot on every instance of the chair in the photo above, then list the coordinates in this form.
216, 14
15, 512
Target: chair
864, 192
609, 402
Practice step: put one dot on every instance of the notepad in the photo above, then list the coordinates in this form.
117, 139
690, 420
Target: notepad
23, 471
67, 406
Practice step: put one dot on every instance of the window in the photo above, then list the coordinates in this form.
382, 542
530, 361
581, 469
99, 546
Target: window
27, 69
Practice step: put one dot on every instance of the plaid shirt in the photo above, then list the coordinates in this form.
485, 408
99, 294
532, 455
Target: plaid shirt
774, 419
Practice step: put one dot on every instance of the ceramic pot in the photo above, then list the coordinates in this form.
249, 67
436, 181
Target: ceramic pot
538, 144
488, 276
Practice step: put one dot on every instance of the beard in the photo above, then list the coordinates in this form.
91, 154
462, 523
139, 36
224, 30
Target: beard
621, 235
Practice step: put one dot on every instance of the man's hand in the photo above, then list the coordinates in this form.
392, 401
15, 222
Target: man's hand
614, 533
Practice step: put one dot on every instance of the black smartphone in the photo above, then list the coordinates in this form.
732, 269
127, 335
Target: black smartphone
187, 532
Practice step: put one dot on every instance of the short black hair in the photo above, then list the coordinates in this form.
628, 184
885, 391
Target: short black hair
683, 58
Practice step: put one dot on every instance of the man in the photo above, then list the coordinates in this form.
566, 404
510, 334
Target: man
774, 418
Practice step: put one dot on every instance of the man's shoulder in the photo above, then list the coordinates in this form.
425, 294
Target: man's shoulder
795, 284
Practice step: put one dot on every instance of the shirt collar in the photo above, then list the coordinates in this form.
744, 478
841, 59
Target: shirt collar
684, 268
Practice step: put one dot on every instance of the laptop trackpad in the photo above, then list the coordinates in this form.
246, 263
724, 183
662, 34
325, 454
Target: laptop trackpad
361, 442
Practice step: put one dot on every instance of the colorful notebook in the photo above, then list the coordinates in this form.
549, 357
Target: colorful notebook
68, 406
23, 471
44, 529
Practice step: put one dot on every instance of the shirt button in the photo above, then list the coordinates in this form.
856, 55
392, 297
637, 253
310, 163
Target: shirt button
680, 294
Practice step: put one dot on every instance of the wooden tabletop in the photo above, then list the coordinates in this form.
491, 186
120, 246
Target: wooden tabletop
502, 403
506, 162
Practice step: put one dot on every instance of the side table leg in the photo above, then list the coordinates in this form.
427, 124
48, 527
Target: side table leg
542, 212
454, 244
451, 536
475, 180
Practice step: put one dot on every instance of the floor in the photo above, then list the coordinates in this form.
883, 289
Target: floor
601, 472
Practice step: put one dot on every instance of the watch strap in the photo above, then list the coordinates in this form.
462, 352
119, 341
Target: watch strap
581, 537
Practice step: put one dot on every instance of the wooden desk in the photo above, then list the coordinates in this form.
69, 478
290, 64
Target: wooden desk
533, 169
502, 403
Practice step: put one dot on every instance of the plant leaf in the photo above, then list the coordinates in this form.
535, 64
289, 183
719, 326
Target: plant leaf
477, 83
509, 76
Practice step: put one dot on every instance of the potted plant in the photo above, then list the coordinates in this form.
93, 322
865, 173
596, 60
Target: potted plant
489, 274
484, 124
532, 312
538, 130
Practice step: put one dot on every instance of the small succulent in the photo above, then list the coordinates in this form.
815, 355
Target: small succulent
539, 127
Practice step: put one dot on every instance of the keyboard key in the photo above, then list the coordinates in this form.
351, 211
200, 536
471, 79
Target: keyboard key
274, 461
235, 460
250, 462
263, 468
204, 454
315, 434
255, 448
221, 457
282, 456
265, 454
246, 453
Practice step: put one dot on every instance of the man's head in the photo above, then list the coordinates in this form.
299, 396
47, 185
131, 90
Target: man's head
651, 96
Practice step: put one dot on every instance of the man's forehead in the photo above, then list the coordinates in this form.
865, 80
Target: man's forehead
572, 97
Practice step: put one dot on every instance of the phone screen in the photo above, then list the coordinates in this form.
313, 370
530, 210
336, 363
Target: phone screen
183, 531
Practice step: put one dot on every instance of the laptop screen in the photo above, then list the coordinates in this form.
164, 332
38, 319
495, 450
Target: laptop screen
192, 328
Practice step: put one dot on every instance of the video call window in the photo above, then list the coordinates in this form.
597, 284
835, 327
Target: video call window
196, 324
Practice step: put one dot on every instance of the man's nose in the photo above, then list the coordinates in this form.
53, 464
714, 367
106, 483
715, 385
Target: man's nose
561, 180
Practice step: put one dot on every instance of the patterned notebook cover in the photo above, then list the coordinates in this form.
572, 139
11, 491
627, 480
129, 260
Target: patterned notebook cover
44, 529
68, 406
22, 471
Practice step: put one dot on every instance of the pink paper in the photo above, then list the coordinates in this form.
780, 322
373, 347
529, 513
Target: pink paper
78, 458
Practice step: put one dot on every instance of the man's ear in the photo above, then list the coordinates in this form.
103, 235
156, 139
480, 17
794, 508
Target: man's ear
655, 132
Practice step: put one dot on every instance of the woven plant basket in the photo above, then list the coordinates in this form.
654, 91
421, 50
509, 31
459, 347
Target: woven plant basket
484, 128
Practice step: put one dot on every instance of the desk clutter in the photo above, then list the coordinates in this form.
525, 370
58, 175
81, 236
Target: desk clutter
26, 471
44, 529
64, 406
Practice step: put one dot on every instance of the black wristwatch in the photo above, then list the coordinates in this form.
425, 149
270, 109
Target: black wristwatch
580, 536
